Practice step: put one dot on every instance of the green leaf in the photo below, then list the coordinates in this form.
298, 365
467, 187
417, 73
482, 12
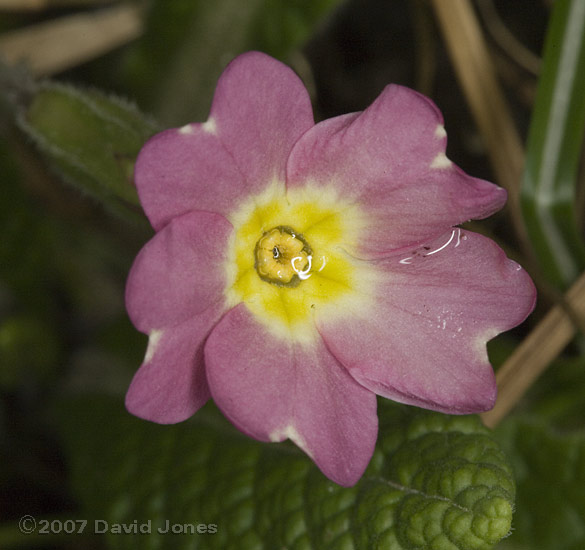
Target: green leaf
435, 482
558, 396
29, 348
91, 139
281, 26
554, 148
188, 43
550, 475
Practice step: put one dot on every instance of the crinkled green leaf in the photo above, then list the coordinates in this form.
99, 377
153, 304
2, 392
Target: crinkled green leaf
187, 44
435, 482
91, 139
554, 148
550, 474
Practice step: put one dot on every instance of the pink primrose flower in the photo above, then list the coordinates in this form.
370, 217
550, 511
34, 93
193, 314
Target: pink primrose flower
299, 269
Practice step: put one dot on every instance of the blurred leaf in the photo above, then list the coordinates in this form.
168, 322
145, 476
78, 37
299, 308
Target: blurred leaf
554, 147
558, 396
550, 476
29, 348
282, 26
435, 482
188, 43
27, 237
91, 139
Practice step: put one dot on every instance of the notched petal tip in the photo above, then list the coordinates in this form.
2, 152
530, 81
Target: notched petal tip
260, 108
471, 198
491, 197
179, 272
403, 97
346, 464
445, 301
142, 400
161, 401
304, 395
171, 384
175, 169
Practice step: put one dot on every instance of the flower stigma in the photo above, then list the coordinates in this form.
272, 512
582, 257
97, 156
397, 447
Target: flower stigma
282, 257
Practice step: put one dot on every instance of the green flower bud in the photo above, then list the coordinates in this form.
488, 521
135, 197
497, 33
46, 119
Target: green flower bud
90, 139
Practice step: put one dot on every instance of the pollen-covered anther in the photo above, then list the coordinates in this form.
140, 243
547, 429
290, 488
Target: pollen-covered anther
281, 256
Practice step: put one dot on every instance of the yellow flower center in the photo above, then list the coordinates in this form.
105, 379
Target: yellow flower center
283, 257
288, 258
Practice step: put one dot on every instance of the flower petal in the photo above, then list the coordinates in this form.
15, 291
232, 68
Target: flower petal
423, 343
391, 161
186, 169
170, 386
260, 109
179, 272
272, 389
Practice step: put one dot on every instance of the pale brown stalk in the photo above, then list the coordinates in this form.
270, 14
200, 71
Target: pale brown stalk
536, 353
40, 5
477, 76
54, 46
